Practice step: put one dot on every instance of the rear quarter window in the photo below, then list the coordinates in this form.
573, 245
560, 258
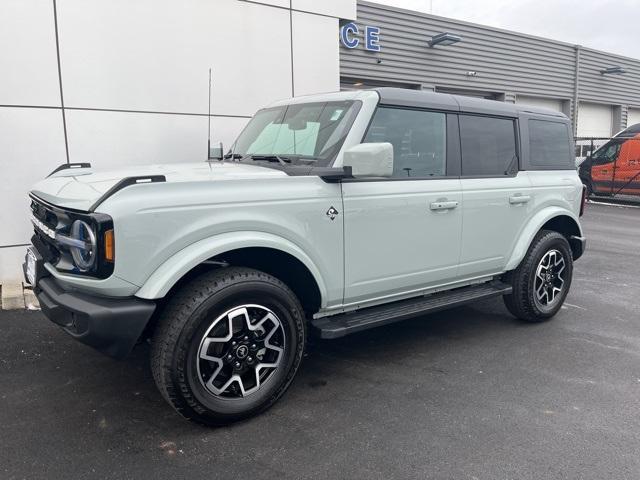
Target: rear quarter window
549, 145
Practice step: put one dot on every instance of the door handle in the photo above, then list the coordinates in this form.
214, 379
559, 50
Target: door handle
443, 205
519, 199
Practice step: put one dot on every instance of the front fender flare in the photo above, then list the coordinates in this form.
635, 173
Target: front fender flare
178, 265
533, 226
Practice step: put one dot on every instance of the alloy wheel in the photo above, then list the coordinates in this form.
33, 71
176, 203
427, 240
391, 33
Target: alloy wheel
548, 282
240, 351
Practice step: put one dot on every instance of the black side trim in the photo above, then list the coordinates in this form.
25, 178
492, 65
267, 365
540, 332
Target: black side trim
332, 174
343, 324
328, 174
110, 325
66, 166
126, 182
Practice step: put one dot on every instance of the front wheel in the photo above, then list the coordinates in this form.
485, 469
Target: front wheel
228, 345
542, 280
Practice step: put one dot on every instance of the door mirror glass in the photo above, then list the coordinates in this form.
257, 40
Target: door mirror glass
370, 160
216, 151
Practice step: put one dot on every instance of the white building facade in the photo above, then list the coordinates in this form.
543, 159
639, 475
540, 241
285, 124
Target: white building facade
124, 82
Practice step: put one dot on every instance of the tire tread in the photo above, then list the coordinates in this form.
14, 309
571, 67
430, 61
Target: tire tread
520, 302
170, 325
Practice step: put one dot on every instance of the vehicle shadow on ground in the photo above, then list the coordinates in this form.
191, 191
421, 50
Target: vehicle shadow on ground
94, 392
398, 345
81, 394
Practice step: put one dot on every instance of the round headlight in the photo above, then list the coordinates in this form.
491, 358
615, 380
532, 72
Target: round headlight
84, 257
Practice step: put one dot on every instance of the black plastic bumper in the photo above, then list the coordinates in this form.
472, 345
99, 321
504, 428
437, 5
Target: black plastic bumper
109, 325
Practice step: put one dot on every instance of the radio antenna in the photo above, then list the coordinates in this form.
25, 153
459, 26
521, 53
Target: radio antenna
209, 121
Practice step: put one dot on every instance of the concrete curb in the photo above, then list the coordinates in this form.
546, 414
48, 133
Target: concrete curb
18, 296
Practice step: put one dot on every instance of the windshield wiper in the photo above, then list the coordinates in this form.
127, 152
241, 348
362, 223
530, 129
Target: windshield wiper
271, 158
234, 156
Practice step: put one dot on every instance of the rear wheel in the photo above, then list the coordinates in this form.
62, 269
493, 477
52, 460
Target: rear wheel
228, 345
542, 280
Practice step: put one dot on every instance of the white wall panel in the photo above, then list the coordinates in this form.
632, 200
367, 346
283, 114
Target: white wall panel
633, 116
595, 120
155, 54
31, 146
345, 9
226, 130
11, 264
114, 139
28, 54
275, 3
316, 63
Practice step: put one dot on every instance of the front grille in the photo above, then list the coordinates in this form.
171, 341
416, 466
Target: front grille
44, 214
57, 220
46, 248
53, 223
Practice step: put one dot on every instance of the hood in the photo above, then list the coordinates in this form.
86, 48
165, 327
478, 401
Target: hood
79, 188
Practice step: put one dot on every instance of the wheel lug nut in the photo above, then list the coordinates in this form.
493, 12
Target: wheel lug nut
253, 346
237, 365
234, 343
246, 338
229, 357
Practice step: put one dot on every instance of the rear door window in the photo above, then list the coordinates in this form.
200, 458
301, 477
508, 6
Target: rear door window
488, 145
549, 144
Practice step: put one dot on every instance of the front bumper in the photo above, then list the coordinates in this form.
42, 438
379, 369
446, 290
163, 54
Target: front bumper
110, 325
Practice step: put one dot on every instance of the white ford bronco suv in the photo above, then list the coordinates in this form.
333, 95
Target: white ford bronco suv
331, 214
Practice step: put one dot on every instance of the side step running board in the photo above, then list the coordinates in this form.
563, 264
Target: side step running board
343, 324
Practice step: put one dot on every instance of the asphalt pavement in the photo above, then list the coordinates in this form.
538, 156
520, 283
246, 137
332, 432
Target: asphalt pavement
470, 393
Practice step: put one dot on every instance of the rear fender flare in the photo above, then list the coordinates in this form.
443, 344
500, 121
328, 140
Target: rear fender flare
532, 228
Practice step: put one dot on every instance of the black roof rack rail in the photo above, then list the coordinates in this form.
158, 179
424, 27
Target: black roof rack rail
66, 166
126, 182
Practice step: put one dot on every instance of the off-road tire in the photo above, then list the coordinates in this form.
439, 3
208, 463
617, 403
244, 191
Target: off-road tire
181, 325
521, 302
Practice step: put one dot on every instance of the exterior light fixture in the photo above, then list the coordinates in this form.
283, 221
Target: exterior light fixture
617, 70
444, 39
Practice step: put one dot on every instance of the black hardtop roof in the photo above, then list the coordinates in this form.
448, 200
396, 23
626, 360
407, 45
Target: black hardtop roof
443, 101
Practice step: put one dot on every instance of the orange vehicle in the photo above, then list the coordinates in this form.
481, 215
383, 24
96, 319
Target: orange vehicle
614, 168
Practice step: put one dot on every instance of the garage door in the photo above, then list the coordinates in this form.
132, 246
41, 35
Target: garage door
550, 103
633, 117
595, 120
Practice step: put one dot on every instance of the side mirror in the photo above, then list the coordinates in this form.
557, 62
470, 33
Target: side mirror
216, 152
370, 160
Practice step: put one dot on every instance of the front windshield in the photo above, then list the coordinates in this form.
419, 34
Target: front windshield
300, 133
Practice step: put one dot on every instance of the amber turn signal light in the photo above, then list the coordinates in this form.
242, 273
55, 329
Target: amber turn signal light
109, 251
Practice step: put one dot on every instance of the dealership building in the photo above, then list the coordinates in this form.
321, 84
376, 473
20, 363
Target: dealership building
599, 91
119, 83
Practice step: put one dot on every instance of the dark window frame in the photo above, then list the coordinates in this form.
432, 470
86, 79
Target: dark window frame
518, 148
